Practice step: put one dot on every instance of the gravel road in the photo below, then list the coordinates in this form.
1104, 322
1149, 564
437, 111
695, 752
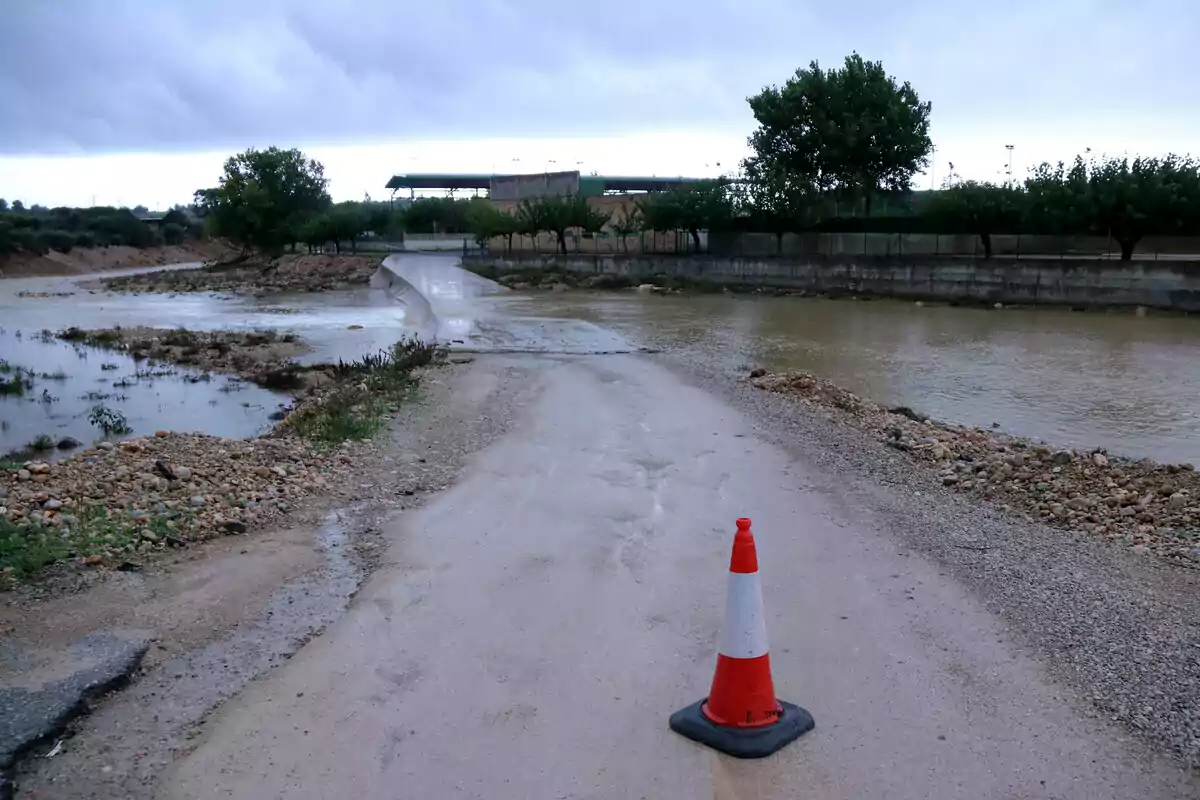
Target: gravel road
1121, 630
533, 626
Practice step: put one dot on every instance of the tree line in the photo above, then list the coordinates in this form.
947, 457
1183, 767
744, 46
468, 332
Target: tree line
39, 230
833, 150
832, 144
270, 200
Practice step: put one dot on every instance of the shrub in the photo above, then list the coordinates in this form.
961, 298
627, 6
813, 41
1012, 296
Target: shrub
59, 240
109, 421
172, 233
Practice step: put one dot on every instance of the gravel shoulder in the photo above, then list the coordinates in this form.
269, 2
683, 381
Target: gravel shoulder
1119, 631
222, 613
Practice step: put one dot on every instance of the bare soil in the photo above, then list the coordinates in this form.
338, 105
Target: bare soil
99, 259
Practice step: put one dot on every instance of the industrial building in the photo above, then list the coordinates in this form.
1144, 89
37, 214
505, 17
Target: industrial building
537, 184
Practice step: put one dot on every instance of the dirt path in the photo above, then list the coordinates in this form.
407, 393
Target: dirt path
534, 626
230, 610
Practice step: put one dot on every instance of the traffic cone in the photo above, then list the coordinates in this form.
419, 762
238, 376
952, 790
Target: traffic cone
741, 715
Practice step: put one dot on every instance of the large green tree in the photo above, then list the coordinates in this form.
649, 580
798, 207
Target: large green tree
978, 208
777, 201
1059, 200
263, 199
529, 221
560, 214
348, 222
486, 222
1118, 197
1144, 197
628, 223
853, 130
695, 207
436, 215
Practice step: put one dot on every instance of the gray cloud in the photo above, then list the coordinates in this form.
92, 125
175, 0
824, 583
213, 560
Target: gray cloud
123, 75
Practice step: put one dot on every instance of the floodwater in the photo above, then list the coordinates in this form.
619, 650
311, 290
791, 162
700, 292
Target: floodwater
1124, 383
69, 380
339, 325
1112, 380
416, 295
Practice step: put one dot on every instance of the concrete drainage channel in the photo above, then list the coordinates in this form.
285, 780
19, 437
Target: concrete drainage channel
131, 742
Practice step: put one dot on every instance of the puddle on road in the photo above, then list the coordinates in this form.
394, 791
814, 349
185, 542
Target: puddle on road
66, 381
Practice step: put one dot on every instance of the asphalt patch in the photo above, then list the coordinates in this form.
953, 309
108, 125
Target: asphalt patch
28, 717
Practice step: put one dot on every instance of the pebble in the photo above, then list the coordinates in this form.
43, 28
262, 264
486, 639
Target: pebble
196, 501
52, 505
24, 474
104, 445
1138, 503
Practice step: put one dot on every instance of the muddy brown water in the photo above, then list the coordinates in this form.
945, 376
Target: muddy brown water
1111, 380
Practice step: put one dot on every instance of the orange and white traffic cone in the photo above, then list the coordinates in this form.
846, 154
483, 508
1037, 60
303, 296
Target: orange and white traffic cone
741, 715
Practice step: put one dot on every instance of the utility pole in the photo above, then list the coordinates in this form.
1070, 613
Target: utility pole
932, 167
1009, 148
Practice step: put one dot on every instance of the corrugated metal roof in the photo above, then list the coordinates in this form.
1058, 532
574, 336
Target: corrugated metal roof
596, 184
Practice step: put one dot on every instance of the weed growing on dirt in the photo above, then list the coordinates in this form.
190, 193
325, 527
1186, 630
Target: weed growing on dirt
105, 338
368, 389
180, 337
25, 549
41, 442
18, 384
285, 379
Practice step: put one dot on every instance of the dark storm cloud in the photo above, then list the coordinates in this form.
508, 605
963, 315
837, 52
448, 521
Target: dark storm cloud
116, 75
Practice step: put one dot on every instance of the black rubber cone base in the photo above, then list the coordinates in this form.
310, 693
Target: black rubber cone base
793, 723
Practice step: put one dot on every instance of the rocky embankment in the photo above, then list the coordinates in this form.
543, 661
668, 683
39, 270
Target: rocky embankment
294, 273
1144, 505
163, 491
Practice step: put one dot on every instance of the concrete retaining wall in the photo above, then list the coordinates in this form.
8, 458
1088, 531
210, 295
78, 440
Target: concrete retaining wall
1075, 282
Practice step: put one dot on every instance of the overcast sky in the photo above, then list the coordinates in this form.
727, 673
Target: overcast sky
135, 102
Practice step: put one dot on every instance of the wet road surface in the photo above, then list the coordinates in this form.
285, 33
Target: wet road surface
538, 622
